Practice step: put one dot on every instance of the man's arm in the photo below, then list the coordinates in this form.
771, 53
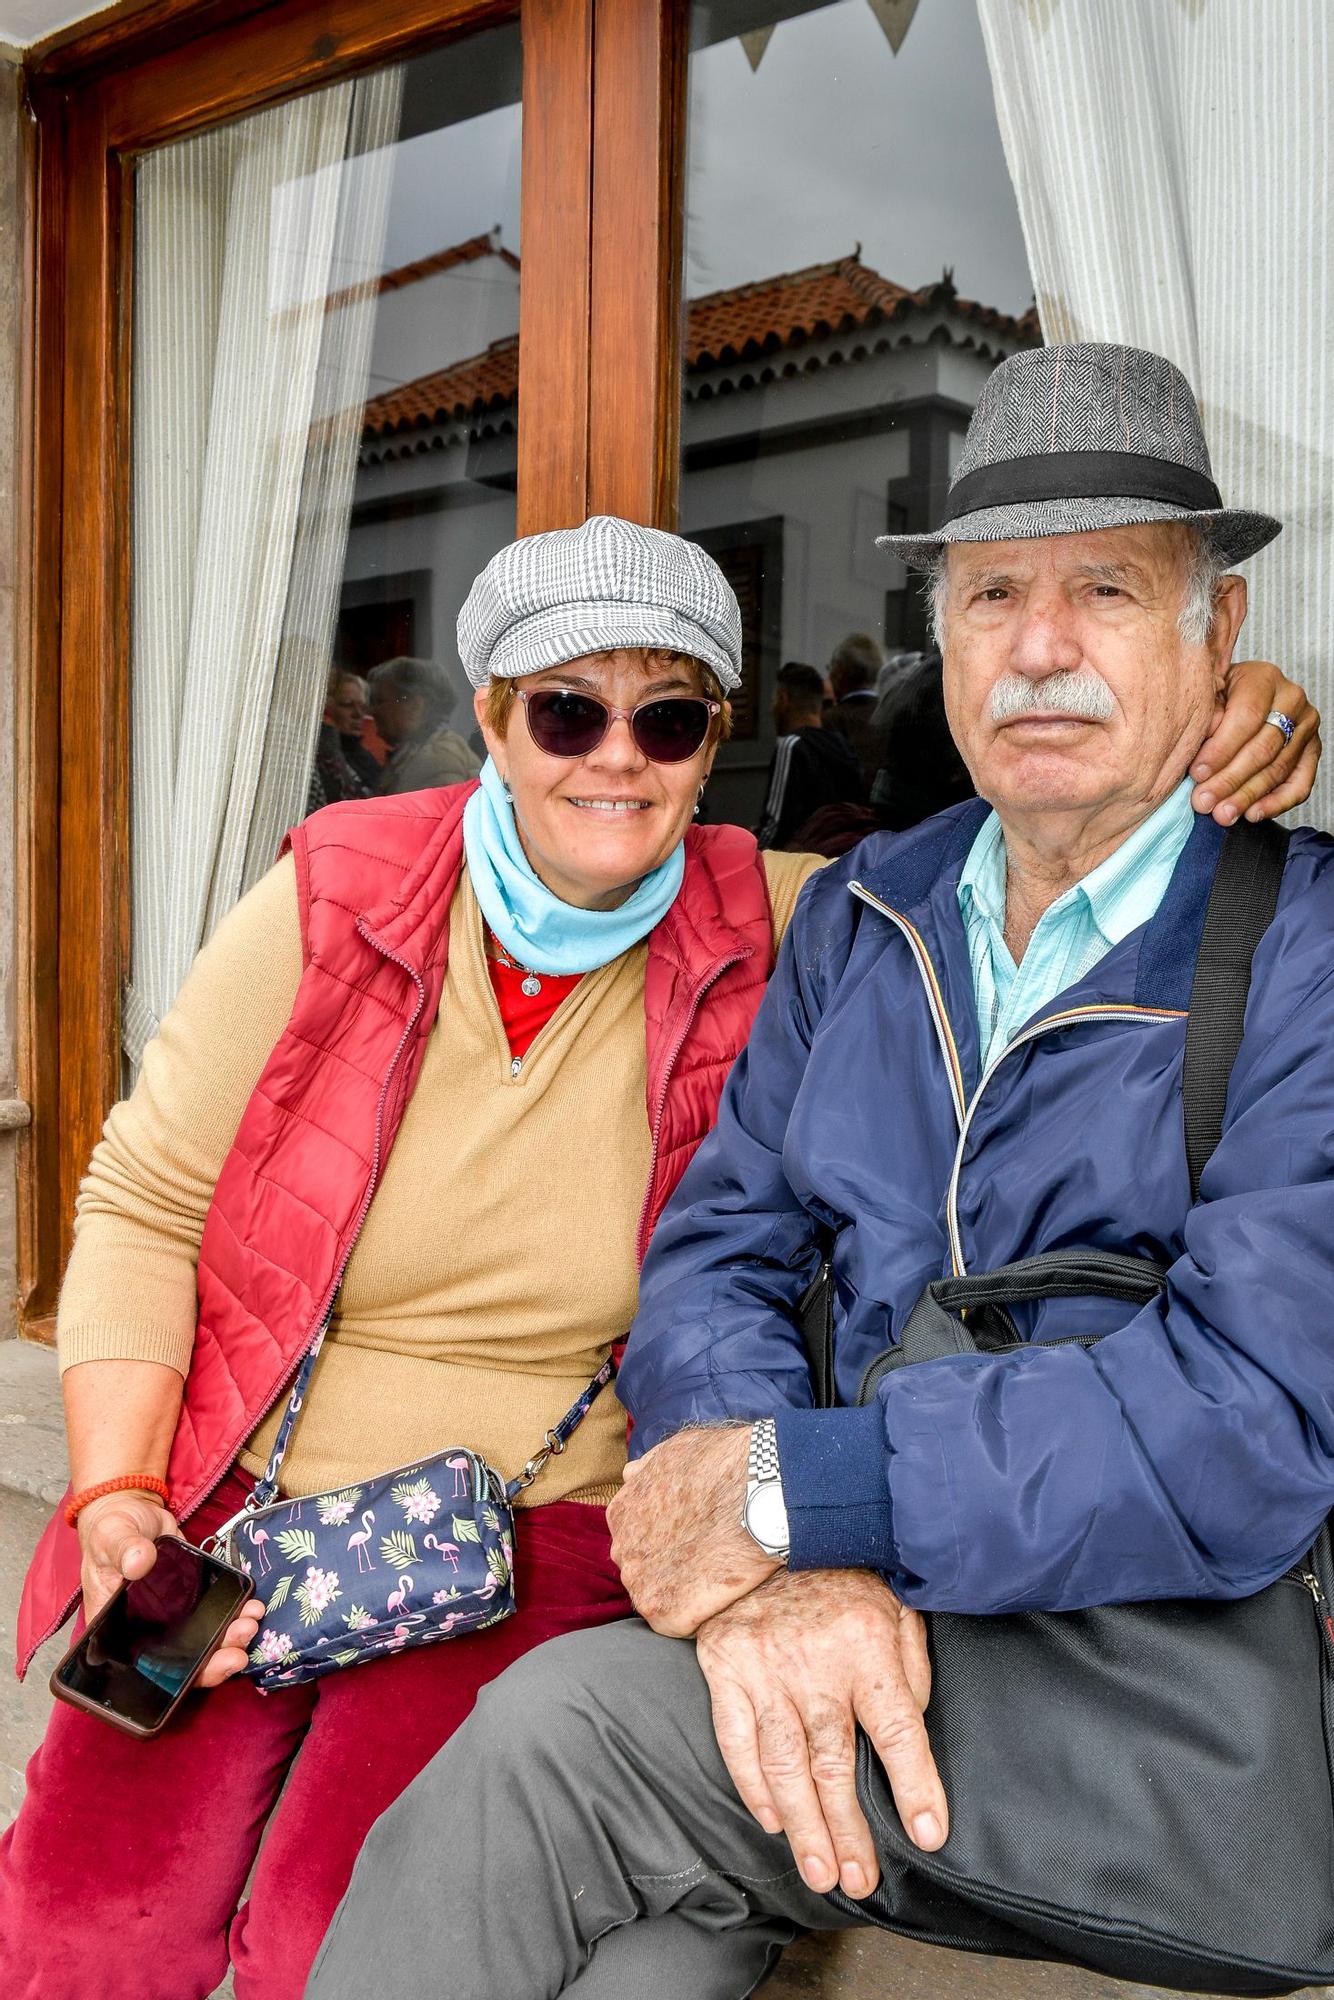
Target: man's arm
715, 1339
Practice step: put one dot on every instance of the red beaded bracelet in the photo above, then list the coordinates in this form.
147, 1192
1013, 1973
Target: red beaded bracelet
129, 1482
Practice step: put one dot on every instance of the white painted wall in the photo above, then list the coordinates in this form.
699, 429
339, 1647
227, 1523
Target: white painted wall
25, 21
427, 325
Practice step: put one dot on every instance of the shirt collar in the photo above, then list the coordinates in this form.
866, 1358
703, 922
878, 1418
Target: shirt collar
1113, 892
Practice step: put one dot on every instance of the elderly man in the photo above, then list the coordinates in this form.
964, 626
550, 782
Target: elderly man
971, 1052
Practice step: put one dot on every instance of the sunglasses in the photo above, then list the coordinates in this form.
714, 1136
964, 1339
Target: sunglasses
666, 730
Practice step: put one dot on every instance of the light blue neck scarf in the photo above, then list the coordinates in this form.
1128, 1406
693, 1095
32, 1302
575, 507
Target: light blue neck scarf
535, 927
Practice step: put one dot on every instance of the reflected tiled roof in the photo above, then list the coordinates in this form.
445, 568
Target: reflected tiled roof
470, 252
821, 300
774, 313
482, 382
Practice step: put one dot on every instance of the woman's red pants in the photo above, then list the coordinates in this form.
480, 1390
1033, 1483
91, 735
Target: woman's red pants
121, 1877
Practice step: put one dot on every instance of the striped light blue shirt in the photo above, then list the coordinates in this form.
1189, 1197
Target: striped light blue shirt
1080, 927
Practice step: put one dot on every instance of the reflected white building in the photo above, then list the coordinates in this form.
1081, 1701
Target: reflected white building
822, 407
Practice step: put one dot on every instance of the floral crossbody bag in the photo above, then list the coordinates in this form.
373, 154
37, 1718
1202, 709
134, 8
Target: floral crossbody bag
416, 1555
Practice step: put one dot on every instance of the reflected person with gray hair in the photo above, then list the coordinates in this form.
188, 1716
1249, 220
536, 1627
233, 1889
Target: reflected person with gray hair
411, 702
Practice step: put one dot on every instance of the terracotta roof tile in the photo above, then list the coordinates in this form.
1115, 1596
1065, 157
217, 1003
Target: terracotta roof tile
747, 319
482, 382
824, 298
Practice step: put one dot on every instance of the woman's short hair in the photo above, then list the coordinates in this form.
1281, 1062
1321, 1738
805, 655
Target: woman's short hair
501, 695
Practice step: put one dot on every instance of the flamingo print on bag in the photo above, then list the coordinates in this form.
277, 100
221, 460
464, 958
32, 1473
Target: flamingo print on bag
398, 1599
399, 1638
338, 1625
359, 1539
257, 1537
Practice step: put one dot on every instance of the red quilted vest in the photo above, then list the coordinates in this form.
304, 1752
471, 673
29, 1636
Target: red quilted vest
375, 881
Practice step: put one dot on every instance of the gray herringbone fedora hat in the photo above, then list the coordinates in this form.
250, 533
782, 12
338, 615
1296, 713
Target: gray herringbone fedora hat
1066, 440
569, 592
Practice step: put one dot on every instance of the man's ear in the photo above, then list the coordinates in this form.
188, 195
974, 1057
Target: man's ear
1229, 617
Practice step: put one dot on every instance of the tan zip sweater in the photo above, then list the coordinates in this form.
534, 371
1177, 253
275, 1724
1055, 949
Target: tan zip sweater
496, 1264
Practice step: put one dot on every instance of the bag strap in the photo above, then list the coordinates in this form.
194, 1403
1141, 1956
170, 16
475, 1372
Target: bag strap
934, 1327
1241, 908
553, 1444
556, 1439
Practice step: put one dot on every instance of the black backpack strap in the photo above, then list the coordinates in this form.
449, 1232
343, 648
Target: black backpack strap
1240, 910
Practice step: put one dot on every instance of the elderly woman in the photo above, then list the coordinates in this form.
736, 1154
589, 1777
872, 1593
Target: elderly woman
505, 1012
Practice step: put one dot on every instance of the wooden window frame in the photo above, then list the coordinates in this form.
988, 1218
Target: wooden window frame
599, 358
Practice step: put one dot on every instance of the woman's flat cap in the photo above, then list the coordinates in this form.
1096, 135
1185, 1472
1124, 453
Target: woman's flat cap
561, 595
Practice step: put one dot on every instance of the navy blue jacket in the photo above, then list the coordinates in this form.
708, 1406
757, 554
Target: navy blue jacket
1191, 1452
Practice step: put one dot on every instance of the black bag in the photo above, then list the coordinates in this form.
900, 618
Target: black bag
1144, 1789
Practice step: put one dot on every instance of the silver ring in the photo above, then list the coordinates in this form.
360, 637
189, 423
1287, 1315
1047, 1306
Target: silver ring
1283, 722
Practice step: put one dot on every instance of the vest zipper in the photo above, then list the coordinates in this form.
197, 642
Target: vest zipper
696, 1001
325, 1312
965, 1113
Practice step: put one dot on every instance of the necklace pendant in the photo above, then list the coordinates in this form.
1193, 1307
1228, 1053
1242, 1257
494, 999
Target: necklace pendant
532, 986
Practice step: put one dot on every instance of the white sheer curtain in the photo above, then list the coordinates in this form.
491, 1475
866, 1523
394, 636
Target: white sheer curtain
247, 415
1174, 165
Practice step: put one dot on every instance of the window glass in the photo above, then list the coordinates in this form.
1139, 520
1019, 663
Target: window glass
854, 270
325, 380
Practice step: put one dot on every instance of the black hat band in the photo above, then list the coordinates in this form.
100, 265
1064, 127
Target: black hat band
1081, 475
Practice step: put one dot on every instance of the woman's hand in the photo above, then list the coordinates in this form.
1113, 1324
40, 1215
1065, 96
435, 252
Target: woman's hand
1244, 765
116, 1535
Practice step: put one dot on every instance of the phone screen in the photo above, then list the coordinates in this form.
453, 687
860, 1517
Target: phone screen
138, 1655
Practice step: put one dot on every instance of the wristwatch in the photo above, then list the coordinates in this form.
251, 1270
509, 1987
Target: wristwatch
765, 1515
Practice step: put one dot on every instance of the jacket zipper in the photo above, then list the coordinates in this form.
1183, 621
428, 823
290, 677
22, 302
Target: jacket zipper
963, 1113
934, 1000
325, 1312
696, 1001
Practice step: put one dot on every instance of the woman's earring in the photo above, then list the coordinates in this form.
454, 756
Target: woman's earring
699, 799
505, 788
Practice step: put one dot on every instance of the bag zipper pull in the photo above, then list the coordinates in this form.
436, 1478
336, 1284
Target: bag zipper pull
1311, 1582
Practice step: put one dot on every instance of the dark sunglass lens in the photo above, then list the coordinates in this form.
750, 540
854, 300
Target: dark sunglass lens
670, 731
565, 724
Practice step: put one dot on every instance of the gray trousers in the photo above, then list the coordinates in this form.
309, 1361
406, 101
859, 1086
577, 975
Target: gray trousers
579, 1834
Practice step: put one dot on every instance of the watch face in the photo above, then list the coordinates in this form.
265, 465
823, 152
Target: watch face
766, 1517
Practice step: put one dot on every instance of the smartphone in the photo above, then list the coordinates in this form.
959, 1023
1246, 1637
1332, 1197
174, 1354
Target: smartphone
141, 1654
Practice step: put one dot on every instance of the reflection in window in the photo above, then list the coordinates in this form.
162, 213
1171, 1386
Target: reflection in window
854, 270
325, 376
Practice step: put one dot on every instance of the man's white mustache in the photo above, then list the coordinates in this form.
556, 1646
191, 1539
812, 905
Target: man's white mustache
1080, 692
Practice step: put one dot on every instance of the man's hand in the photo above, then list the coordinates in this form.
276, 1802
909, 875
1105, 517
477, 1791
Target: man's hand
676, 1532
1244, 765
792, 1669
